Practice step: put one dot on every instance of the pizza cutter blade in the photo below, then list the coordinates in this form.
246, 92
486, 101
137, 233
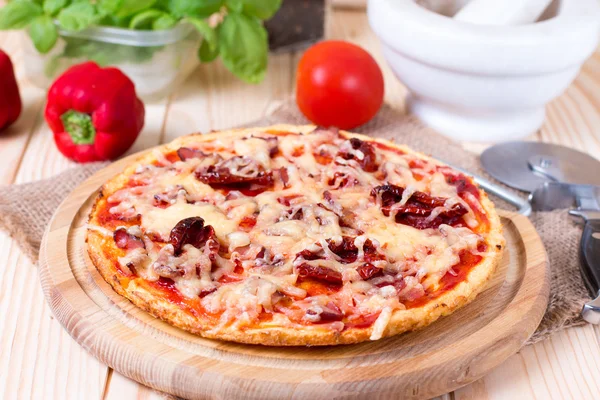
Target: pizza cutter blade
527, 165
557, 177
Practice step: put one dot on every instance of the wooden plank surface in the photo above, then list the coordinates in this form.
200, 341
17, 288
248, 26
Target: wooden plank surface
39, 360
458, 349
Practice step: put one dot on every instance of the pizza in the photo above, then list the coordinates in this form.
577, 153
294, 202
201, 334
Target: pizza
293, 235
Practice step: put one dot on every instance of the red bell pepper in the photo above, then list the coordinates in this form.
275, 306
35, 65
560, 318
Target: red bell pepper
10, 100
94, 113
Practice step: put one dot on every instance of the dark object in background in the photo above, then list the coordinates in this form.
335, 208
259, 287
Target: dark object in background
297, 24
10, 99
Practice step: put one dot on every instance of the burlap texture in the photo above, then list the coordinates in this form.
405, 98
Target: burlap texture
25, 210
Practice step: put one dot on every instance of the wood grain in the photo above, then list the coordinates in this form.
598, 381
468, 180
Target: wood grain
39, 359
450, 353
47, 376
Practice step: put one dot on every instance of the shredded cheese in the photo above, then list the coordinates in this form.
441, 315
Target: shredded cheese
310, 207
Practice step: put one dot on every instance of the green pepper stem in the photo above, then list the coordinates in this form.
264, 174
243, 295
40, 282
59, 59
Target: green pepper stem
79, 126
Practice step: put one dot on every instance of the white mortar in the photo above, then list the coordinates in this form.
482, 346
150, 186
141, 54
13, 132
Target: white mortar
478, 82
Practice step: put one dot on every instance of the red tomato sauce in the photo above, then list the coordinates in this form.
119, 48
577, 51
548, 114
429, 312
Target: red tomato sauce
461, 272
314, 288
361, 321
168, 291
110, 220
323, 159
172, 157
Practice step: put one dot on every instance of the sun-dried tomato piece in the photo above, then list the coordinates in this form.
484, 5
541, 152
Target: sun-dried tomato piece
185, 153
125, 240
308, 255
242, 173
387, 194
368, 271
463, 185
319, 273
285, 178
296, 214
345, 249
450, 217
363, 153
424, 198
330, 312
206, 292
221, 176
392, 194
417, 210
166, 198
341, 180
370, 252
192, 231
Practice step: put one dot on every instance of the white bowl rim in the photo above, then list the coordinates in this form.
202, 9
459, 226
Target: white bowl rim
438, 40
587, 10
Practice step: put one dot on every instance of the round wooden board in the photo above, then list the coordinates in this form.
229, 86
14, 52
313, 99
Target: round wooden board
448, 354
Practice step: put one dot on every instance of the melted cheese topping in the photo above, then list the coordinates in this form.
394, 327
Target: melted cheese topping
318, 196
163, 220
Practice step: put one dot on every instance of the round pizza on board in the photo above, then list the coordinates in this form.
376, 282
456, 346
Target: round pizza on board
293, 235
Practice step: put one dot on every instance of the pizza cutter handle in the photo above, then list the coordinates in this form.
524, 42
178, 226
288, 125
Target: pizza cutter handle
590, 268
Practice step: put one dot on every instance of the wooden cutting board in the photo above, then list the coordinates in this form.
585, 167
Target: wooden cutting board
450, 353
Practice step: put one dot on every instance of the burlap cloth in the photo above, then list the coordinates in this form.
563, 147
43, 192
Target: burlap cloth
25, 209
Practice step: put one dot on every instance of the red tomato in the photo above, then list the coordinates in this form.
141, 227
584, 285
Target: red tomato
338, 84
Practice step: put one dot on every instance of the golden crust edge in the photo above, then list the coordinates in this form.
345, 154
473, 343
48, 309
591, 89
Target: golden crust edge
400, 322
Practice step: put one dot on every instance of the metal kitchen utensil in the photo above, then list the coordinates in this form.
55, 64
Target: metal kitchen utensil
585, 200
527, 165
558, 178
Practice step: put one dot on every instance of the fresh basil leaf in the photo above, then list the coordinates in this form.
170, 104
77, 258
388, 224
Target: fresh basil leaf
111, 20
263, 9
18, 14
208, 34
43, 33
194, 8
243, 47
235, 5
109, 6
165, 21
145, 19
206, 54
52, 7
78, 16
132, 7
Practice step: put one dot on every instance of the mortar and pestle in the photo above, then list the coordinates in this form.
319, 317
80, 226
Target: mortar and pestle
483, 70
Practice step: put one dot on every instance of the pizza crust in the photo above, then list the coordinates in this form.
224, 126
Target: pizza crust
400, 321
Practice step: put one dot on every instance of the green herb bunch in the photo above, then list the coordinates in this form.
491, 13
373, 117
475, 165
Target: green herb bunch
235, 33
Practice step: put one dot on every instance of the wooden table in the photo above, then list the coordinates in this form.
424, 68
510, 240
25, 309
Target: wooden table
38, 359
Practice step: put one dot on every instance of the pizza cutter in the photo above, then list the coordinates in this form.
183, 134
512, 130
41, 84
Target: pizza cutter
557, 177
